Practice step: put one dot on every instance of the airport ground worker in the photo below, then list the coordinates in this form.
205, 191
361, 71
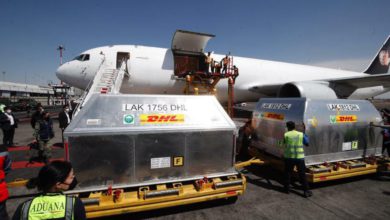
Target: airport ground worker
385, 113
235, 73
52, 180
386, 141
8, 124
386, 136
45, 134
294, 155
244, 140
64, 119
209, 63
386, 132
225, 62
5, 167
37, 116
2, 106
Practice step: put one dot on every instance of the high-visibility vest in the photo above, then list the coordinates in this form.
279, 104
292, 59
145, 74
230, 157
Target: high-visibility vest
294, 145
2, 106
48, 206
3, 186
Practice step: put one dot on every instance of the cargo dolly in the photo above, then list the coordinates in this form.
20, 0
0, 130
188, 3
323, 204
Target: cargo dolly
115, 201
343, 141
330, 171
343, 169
119, 201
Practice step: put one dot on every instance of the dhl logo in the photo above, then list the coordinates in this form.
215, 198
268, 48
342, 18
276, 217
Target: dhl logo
346, 118
161, 118
273, 115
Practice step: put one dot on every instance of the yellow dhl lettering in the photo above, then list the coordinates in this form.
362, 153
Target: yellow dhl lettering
274, 116
346, 118
161, 118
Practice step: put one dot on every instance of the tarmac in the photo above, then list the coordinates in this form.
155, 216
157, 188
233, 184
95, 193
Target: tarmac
365, 197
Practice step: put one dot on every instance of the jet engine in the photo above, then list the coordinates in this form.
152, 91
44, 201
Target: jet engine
314, 90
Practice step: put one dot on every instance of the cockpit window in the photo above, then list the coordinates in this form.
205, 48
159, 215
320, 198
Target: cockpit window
82, 57
79, 57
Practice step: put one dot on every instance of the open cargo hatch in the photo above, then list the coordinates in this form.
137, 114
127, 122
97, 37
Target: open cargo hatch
187, 49
190, 41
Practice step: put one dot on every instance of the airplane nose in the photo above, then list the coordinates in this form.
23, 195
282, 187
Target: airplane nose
62, 72
68, 74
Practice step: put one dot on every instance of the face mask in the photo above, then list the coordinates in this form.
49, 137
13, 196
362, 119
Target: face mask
8, 111
73, 184
66, 110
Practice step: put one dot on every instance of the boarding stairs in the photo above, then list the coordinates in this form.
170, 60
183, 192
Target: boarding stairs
107, 81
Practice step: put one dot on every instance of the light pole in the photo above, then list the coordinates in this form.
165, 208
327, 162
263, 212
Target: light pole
61, 48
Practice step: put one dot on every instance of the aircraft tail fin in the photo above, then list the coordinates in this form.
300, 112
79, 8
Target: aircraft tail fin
380, 64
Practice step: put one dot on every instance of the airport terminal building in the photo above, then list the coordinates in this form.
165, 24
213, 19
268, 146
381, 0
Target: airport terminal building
47, 95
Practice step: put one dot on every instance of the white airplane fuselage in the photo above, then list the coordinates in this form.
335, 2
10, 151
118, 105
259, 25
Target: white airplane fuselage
151, 71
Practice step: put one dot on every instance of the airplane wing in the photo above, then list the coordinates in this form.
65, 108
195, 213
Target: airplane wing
342, 86
364, 81
377, 74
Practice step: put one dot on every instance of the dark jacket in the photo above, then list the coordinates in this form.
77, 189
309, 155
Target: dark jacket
37, 116
46, 129
63, 119
6, 123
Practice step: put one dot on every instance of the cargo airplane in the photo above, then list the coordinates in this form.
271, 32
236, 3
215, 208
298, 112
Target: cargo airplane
152, 70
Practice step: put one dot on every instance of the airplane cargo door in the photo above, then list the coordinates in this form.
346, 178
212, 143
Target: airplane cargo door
185, 63
188, 50
120, 57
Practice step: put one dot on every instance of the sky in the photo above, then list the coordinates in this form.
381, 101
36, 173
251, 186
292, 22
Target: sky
342, 34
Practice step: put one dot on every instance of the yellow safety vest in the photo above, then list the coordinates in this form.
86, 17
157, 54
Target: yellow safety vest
294, 145
48, 206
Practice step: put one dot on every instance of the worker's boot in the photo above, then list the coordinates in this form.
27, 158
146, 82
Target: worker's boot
307, 193
286, 189
40, 156
45, 160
